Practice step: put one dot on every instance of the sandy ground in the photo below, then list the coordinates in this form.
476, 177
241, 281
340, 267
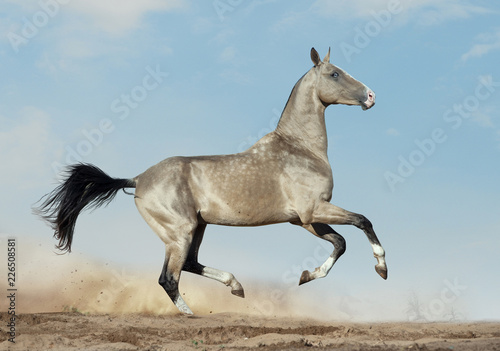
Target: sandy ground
75, 303
236, 331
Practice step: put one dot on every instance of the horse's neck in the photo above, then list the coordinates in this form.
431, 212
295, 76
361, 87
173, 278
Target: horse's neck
303, 119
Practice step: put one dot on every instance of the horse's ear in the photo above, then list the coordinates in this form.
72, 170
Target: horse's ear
315, 57
327, 57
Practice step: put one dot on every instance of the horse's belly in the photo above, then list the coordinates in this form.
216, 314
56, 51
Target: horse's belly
245, 206
245, 216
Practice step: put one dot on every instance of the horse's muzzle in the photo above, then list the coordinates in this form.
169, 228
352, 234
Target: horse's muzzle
370, 100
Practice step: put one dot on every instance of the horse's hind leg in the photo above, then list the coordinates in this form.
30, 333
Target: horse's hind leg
192, 265
170, 275
177, 234
327, 233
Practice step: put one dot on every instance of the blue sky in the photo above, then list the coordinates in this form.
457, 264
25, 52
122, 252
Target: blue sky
125, 84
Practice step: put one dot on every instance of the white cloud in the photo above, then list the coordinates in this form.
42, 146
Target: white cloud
291, 19
422, 12
223, 36
486, 43
483, 117
78, 29
348, 8
117, 17
113, 17
437, 12
237, 76
90, 23
486, 117
228, 54
392, 132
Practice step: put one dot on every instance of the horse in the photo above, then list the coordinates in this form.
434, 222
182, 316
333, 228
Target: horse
284, 177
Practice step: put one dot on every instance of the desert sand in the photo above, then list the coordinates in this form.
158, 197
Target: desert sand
236, 331
75, 303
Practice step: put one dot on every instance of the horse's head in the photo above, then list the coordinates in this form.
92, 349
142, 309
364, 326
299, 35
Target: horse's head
335, 86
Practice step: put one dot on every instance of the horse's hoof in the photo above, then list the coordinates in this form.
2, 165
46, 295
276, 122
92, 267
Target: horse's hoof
381, 270
185, 311
305, 277
239, 293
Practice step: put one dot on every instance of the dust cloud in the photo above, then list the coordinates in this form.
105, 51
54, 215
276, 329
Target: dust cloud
53, 283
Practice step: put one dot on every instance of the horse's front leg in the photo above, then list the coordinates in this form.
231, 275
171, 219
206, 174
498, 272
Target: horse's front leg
327, 233
331, 214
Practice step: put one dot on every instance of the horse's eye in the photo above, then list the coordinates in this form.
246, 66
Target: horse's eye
335, 74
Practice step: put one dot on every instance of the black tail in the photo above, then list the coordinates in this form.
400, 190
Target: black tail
85, 186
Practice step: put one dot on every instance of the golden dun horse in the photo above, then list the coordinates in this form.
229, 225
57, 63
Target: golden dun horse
284, 177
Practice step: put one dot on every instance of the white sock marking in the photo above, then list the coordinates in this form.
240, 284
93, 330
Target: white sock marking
378, 250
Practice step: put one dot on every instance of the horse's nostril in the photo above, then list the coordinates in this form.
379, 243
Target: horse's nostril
371, 96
